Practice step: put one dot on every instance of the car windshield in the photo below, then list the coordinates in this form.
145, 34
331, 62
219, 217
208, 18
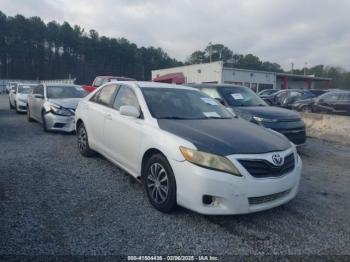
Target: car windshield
241, 96
173, 103
25, 89
65, 92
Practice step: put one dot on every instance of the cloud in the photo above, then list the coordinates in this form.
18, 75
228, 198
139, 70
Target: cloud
313, 31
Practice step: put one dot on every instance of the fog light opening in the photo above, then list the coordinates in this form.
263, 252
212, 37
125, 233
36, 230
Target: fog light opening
207, 200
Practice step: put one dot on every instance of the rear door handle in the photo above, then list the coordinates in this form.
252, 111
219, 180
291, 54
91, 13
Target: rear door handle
108, 116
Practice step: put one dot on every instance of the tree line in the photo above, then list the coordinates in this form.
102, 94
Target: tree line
32, 49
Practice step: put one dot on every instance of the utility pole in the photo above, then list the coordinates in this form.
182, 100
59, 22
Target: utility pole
210, 51
305, 68
292, 67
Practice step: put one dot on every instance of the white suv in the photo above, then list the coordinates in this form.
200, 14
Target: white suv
187, 148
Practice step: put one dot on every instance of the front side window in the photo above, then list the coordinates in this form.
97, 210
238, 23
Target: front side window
38, 90
125, 97
241, 96
329, 97
173, 103
59, 92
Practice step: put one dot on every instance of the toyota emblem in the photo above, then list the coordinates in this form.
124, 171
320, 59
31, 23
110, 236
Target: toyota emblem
277, 159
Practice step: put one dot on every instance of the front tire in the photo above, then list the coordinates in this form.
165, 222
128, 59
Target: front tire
28, 115
16, 108
83, 142
11, 106
160, 183
306, 109
43, 120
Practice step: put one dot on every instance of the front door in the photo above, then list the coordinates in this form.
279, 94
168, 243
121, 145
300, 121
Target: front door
123, 134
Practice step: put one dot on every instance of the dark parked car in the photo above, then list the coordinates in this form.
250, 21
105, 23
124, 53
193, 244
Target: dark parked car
268, 92
337, 102
285, 98
246, 104
318, 92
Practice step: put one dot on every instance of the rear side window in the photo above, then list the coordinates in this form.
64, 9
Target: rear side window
98, 81
105, 95
125, 97
212, 92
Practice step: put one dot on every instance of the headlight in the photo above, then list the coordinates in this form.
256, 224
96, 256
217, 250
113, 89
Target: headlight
210, 161
266, 120
58, 110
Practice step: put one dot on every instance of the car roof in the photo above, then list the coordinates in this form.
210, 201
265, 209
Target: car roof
148, 84
209, 85
27, 84
63, 85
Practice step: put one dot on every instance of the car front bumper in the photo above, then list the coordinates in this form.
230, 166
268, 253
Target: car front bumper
21, 106
232, 194
60, 123
295, 130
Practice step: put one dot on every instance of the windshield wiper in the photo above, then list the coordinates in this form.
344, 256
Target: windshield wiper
217, 117
175, 117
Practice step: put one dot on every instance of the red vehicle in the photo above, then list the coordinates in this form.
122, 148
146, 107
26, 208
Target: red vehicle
100, 80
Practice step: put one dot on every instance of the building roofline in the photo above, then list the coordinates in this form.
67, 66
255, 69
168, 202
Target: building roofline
304, 76
193, 65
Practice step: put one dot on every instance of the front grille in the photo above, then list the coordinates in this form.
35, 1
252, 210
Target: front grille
261, 168
267, 198
289, 120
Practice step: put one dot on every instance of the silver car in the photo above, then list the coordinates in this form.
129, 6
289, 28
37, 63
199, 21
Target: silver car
54, 106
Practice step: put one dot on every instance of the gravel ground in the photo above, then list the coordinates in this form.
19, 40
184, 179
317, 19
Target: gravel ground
53, 201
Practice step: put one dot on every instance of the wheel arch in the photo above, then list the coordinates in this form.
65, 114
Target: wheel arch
78, 123
147, 155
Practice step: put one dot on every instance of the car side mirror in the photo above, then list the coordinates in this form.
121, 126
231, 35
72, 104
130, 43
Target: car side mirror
130, 111
39, 96
220, 100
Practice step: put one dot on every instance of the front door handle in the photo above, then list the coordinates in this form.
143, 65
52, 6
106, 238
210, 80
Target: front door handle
108, 116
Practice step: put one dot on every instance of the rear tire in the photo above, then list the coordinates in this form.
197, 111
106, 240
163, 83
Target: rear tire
83, 142
160, 184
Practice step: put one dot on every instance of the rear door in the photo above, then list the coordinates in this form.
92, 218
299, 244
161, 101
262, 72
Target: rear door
123, 134
97, 108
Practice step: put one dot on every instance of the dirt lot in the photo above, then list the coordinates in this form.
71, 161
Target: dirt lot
54, 201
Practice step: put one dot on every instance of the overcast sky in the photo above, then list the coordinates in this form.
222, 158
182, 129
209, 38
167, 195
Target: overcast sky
282, 31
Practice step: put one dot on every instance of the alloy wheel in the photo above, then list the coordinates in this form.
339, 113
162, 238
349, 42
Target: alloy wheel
82, 139
157, 183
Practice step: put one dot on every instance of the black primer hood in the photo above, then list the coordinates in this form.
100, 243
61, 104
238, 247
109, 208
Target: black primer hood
226, 136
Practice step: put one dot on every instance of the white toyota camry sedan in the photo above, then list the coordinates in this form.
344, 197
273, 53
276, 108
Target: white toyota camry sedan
187, 149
